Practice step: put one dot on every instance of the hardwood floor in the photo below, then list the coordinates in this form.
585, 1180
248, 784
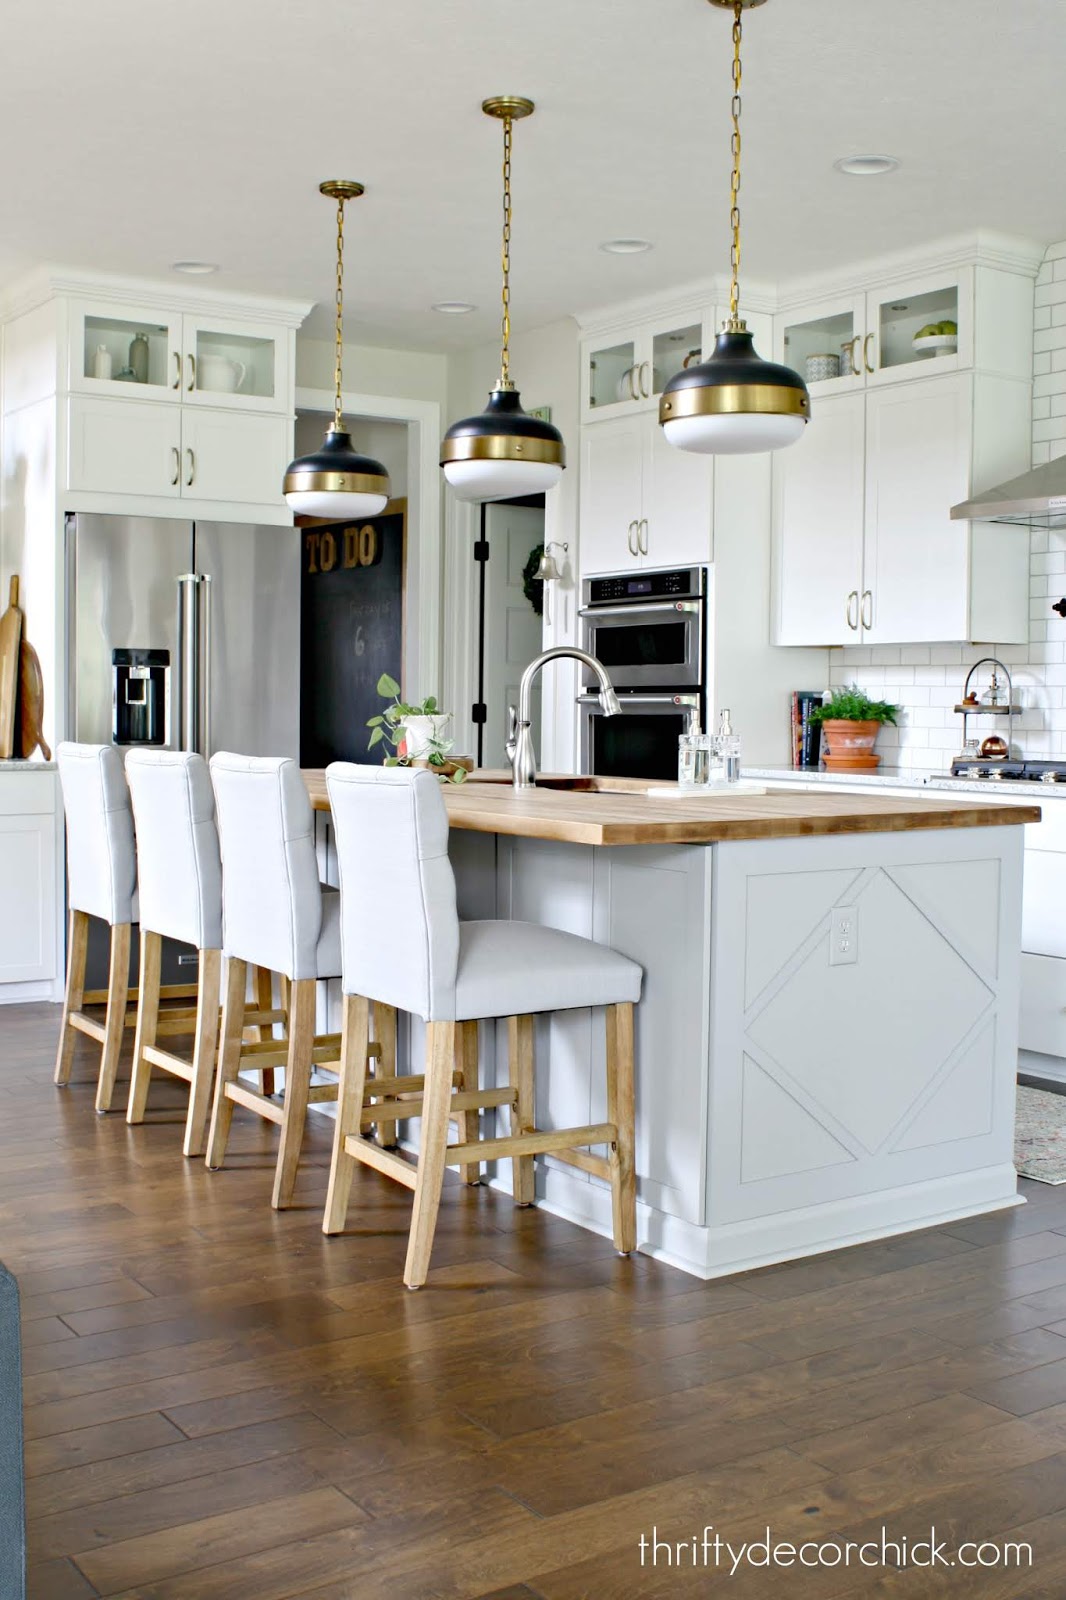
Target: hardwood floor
222, 1404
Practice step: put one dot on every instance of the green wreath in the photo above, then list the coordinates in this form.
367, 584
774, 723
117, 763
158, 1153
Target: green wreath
532, 586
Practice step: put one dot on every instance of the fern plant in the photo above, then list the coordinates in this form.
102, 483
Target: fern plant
851, 705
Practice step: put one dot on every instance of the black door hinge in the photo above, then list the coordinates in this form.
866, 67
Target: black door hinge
481, 550
479, 713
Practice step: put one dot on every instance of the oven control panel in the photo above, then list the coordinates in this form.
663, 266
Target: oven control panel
683, 584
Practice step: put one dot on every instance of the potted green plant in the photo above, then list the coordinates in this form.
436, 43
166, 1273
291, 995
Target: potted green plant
415, 734
850, 724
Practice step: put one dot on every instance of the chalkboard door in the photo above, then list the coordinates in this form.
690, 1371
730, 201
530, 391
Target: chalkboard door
351, 631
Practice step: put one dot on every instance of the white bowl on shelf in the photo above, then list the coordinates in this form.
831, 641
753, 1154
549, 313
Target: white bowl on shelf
937, 344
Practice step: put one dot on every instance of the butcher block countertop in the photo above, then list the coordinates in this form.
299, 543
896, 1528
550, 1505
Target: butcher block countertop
606, 811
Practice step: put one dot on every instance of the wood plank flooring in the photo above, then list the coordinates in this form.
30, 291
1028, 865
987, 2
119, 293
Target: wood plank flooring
222, 1404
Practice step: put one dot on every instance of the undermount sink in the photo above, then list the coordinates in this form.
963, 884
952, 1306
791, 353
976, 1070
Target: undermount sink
583, 783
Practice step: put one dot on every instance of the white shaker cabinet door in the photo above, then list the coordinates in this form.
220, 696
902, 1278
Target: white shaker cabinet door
28, 870
228, 455
818, 523
678, 503
611, 494
917, 467
123, 447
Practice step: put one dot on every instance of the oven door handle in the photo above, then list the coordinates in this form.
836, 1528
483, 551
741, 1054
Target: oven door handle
638, 609
590, 697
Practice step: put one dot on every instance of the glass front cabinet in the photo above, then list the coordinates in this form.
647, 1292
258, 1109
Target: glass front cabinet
130, 352
628, 371
915, 329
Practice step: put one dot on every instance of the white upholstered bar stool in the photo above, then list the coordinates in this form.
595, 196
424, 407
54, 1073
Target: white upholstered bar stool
101, 882
277, 915
413, 953
180, 886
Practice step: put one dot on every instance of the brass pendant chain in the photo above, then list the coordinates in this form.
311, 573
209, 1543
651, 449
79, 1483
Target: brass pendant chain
735, 322
338, 421
505, 353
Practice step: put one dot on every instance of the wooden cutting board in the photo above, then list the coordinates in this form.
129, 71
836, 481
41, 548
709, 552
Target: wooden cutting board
31, 704
10, 642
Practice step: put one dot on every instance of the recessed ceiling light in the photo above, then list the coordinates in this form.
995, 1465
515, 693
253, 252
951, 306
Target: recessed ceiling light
867, 166
453, 308
195, 269
626, 247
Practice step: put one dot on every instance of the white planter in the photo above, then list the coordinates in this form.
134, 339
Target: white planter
422, 733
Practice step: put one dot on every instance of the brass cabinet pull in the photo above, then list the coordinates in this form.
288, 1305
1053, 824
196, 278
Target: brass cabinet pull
632, 540
853, 600
867, 613
632, 376
177, 465
192, 372
642, 541
177, 373
866, 343
192, 468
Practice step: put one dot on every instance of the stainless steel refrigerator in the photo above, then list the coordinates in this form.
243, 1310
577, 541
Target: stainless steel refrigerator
182, 635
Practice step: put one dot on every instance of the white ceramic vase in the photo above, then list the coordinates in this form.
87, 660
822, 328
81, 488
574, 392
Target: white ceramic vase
421, 734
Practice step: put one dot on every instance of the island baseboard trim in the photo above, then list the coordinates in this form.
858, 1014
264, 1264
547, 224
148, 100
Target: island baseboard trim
717, 1252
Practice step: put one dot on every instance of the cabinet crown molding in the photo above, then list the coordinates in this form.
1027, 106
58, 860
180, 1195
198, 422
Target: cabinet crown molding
52, 281
688, 300
983, 248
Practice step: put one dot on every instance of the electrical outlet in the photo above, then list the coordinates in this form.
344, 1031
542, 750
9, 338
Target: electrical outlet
843, 936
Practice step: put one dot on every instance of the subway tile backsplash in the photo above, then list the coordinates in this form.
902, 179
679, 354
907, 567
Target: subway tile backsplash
926, 680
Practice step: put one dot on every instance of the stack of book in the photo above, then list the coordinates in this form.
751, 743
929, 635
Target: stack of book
806, 733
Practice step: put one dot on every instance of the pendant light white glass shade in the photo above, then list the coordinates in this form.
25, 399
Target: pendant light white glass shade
500, 480
742, 435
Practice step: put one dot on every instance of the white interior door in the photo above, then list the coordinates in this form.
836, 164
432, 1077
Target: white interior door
513, 632
818, 512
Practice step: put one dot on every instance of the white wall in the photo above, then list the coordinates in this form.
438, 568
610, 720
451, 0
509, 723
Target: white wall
403, 374
927, 679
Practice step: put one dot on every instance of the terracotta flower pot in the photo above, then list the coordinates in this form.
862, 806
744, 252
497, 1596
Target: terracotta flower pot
849, 746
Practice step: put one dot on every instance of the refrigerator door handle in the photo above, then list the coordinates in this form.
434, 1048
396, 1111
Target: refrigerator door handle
188, 661
206, 632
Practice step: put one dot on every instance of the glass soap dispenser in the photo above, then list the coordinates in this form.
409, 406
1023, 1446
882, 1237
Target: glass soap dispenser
728, 744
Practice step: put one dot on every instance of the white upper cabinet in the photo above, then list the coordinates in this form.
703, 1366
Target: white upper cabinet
917, 328
138, 353
643, 503
626, 370
913, 422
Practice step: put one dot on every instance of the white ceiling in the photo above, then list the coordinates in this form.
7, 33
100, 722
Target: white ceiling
133, 135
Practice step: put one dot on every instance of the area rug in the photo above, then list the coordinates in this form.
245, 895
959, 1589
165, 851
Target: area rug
1040, 1135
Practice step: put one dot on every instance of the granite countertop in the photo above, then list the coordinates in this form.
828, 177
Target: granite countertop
618, 811
910, 778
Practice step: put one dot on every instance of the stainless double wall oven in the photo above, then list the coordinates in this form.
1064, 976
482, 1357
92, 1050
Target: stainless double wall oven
650, 631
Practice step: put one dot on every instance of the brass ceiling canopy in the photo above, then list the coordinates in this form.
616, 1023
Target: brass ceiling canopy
502, 106
730, 5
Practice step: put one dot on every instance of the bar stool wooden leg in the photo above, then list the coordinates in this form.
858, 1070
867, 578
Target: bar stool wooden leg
440, 1064
297, 1088
469, 1121
351, 1091
384, 1018
77, 946
229, 1059
205, 1049
621, 1111
264, 999
118, 983
524, 1120
147, 1024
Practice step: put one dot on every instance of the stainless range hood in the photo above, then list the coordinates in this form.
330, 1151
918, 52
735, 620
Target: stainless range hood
1036, 499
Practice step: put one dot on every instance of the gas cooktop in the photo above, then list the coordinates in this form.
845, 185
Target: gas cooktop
1026, 771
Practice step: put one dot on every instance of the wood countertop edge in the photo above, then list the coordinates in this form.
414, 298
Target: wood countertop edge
856, 815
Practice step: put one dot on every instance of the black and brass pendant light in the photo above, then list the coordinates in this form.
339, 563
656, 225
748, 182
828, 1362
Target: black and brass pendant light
734, 403
504, 451
337, 481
